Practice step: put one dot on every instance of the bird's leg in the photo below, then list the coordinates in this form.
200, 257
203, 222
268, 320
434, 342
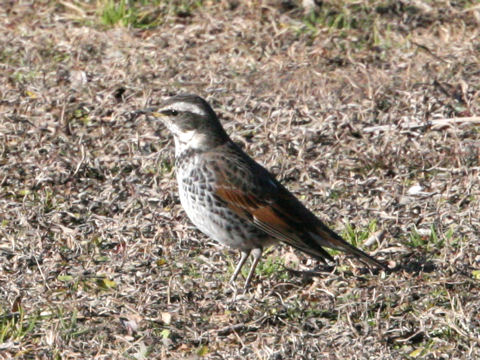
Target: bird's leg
257, 254
243, 258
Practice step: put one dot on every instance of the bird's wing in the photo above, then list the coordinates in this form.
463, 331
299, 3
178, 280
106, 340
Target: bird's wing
253, 193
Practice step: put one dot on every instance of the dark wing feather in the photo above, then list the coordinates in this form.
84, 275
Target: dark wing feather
253, 193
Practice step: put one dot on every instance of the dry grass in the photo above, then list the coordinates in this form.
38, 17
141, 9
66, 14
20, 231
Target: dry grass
97, 259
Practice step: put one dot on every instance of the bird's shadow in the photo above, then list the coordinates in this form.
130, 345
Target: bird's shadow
308, 275
411, 266
417, 265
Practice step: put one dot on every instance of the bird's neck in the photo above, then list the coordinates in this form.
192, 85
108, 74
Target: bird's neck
189, 140
196, 142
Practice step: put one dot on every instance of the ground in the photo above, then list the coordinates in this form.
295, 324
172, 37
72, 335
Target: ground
367, 111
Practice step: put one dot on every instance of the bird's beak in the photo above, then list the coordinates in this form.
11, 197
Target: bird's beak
153, 112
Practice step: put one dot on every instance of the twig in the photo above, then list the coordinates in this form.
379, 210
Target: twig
439, 123
230, 328
433, 124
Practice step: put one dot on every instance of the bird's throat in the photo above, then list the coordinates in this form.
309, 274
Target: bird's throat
190, 140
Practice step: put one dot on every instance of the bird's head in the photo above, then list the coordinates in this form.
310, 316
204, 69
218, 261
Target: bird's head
192, 122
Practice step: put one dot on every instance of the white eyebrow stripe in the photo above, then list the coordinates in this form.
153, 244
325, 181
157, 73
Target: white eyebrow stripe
184, 106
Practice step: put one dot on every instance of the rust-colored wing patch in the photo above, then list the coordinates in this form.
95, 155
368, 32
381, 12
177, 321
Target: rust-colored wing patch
262, 214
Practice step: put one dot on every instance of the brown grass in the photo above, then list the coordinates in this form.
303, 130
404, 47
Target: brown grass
97, 258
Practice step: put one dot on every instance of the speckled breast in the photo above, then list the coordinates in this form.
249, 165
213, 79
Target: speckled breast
197, 178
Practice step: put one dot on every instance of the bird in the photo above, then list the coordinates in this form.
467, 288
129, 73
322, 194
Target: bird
234, 200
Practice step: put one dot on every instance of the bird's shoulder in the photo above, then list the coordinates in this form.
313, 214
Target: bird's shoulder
238, 171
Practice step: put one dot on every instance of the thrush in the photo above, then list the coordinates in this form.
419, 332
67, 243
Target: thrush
234, 200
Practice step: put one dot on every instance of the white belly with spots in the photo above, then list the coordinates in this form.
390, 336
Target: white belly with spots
219, 222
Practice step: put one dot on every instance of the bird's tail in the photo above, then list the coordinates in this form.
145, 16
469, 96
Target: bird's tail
326, 237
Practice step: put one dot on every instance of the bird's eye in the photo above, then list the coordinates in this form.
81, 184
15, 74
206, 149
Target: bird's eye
170, 112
